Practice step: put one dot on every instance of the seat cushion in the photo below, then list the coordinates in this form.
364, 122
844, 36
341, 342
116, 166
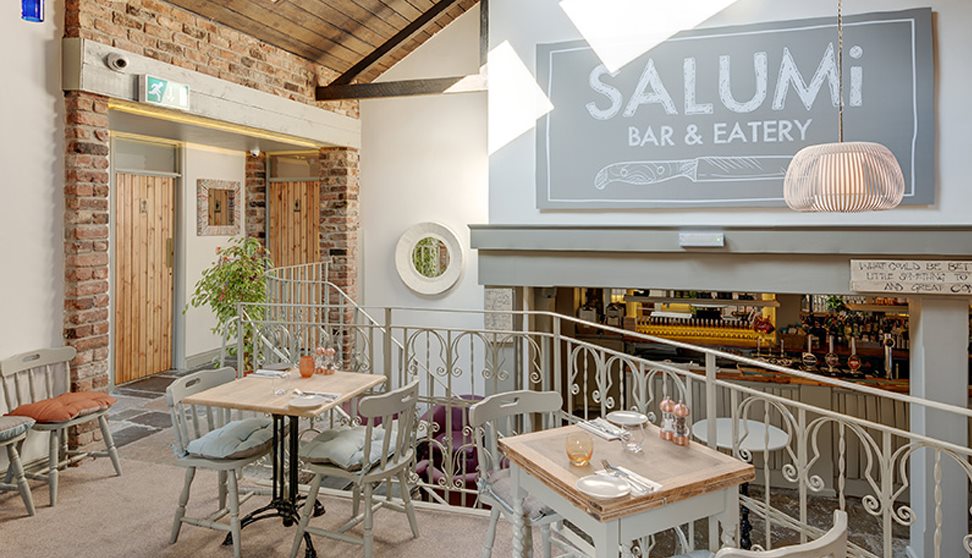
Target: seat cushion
11, 427
65, 407
235, 440
344, 447
499, 485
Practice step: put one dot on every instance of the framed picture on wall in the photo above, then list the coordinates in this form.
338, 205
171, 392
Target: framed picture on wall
217, 207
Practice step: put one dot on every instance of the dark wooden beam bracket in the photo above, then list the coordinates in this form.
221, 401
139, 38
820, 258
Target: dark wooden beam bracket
404, 88
392, 43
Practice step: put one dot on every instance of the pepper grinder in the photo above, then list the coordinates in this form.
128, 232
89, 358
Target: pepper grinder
681, 412
667, 431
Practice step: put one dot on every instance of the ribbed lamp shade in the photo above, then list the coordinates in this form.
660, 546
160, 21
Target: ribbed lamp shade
844, 178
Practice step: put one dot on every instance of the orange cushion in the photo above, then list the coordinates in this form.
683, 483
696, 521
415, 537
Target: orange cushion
65, 407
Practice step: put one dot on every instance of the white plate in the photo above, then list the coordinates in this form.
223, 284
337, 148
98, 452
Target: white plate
603, 487
308, 401
627, 418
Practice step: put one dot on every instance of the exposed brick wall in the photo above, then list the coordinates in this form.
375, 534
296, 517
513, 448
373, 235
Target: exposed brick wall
340, 215
86, 246
256, 196
170, 34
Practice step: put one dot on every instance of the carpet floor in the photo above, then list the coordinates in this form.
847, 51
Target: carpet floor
100, 515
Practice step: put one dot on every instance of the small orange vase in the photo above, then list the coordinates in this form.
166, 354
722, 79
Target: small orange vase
306, 366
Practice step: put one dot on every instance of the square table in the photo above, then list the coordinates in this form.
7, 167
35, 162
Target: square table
696, 482
254, 393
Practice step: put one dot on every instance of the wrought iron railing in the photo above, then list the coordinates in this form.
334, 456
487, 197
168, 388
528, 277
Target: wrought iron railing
834, 458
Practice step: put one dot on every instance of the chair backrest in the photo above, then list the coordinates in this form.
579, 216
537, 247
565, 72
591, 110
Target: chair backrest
832, 544
497, 416
36, 375
395, 412
185, 418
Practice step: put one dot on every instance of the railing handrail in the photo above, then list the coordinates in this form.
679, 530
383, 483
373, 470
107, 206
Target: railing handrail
833, 382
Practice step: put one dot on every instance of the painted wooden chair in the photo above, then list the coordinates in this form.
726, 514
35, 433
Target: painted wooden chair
380, 450
206, 438
832, 544
37, 385
13, 432
490, 419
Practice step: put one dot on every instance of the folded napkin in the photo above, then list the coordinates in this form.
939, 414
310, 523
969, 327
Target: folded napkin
262, 373
637, 482
602, 428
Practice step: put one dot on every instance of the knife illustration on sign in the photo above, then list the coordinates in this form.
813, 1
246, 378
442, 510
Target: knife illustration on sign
700, 169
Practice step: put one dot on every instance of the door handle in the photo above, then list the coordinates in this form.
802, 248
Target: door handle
169, 253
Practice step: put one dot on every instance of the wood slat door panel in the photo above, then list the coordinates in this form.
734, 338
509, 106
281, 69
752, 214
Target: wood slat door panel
143, 281
295, 224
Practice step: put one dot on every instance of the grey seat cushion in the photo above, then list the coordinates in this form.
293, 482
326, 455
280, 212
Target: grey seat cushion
11, 427
500, 486
235, 440
344, 447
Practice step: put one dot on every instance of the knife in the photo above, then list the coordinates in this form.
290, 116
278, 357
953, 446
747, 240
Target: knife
700, 169
635, 483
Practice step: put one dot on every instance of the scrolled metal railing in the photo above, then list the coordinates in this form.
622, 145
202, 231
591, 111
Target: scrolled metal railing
834, 457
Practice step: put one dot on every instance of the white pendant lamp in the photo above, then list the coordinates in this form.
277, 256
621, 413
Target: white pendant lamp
843, 177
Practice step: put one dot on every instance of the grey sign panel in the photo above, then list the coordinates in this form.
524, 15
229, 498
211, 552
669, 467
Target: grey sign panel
712, 117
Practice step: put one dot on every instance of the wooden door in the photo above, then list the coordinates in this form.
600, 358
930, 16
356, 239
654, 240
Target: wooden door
144, 225
295, 222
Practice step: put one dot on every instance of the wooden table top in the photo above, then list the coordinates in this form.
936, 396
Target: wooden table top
254, 393
682, 471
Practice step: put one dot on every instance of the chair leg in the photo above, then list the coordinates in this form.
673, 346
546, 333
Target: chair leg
181, 509
306, 514
54, 460
9, 476
355, 500
16, 470
369, 522
222, 490
494, 516
528, 538
545, 537
110, 444
234, 506
407, 500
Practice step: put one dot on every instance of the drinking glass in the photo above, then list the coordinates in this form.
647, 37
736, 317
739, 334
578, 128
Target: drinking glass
579, 447
279, 383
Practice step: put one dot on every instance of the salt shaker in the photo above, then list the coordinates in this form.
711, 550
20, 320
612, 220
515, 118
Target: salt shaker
667, 431
681, 434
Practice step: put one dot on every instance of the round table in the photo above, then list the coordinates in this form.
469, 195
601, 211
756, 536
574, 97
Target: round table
752, 436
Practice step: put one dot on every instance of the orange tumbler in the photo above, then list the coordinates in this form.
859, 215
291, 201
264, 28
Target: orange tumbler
306, 366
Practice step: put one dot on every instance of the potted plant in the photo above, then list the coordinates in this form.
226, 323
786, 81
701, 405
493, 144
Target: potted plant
236, 276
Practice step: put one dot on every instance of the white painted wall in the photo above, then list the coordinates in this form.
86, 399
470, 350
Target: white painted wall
199, 252
31, 156
424, 159
512, 193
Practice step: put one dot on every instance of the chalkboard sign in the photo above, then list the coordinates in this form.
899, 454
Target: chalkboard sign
712, 117
932, 277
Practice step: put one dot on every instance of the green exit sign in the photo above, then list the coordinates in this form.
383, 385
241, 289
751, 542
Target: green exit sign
164, 93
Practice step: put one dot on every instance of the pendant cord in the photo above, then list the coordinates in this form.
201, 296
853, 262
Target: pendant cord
840, 71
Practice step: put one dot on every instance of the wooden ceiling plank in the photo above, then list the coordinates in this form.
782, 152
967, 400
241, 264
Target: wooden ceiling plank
355, 12
339, 26
274, 20
384, 12
232, 19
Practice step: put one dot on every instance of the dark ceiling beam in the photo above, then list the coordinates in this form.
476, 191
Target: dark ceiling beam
403, 88
391, 44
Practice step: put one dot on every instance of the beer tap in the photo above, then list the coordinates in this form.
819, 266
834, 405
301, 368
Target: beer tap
888, 354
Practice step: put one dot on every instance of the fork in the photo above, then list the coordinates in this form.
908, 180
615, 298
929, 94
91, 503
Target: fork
634, 483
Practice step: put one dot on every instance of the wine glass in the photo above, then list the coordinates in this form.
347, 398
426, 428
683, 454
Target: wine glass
580, 448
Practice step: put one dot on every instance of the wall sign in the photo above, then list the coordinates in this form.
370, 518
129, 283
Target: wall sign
712, 117
163, 92
912, 277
